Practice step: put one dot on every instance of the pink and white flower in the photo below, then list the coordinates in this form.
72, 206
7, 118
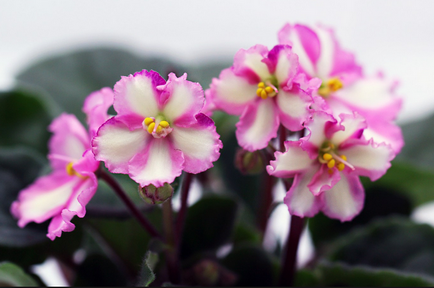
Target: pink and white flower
326, 165
344, 89
260, 87
65, 192
158, 131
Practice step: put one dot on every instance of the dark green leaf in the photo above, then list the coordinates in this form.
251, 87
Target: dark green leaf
209, 224
324, 229
338, 274
418, 148
147, 275
24, 120
394, 243
98, 270
18, 169
12, 275
252, 265
411, 182
70, 78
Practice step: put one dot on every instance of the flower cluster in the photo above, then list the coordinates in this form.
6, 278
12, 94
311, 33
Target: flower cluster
309, 83
306, 84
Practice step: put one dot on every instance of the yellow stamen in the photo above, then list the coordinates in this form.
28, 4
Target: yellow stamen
164, 124
148, 121
327, 156
335, 84
263, 94
261, 85
159, 128
259, 91
331, 163
344, 157
265, 91
151, 127
341, 166
70, 170
269, 90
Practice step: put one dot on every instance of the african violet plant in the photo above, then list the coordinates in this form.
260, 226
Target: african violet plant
305, 115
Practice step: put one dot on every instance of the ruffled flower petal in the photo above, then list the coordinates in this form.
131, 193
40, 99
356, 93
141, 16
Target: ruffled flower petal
323, 180
232, 93
293, 161
386, 132
199, 144
299, 199
258, 125
293, 108
317, 126
96, 106
158, 163
45, 198
369, 159
75, 206
138, 95
249, 64
69, 141
182, 99
305, 44
351, 126
345, 200
283, 63
372, 98
115, 144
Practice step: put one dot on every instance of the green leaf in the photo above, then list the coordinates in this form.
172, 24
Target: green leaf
18, 168
24, 119
12, 275
98, 270
418, 148
209, 224
147, 275
339, 274
412, 182
323, 229
394, 243
252, 265
125, 241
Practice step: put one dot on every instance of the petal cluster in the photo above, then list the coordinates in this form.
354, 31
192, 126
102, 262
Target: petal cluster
326, 165
159, 130
260, 87
64, 192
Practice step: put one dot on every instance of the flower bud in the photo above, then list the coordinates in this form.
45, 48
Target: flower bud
156, 195
249, 162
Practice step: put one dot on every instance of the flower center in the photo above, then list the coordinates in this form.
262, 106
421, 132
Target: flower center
266, 90
328, 155
331, 86
157, 127
71, 171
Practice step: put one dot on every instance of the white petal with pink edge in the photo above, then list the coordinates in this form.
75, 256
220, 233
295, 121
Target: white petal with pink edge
137, 94
286, 66
232, 93
368, 93
369, 159
299, 199
325, 62
69, 141
389, 133
294, 108
345, 200
95, 106
317, 126
115, 144
199, 144
44, 198
251, 59
258, 125
157, 164
351, 126
182, 99
291, 162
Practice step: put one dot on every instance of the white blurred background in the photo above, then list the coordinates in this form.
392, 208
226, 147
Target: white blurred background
393, 36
